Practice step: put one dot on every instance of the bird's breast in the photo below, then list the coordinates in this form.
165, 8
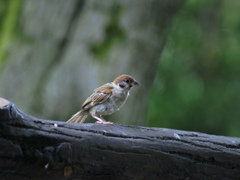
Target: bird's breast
109, 106
119, 98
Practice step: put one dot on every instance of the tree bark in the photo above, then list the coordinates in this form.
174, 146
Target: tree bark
32, 148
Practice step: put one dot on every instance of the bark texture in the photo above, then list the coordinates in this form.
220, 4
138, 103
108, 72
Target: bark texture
32, 148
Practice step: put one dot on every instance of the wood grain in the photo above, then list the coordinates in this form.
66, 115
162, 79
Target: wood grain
32, 148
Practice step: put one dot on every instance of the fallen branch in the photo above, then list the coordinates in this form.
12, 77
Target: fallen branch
43, 149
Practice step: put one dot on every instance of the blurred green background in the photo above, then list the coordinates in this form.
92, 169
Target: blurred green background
185, 54
197, 86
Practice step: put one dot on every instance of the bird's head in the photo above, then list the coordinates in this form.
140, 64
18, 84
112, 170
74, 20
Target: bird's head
125, 82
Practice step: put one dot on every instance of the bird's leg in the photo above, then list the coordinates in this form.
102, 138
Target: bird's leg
100, 120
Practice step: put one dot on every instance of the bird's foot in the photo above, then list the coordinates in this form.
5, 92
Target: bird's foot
100, 120
104, 122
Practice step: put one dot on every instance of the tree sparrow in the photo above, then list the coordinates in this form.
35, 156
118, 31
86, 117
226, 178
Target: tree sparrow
105, 100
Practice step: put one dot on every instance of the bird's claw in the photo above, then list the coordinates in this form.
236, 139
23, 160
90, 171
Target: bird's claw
105, 122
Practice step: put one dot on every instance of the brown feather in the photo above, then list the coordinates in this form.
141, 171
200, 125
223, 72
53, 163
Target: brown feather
99, 96
123, 77
79, 117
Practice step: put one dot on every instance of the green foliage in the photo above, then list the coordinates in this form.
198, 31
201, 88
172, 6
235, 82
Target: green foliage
9, 14
198, 82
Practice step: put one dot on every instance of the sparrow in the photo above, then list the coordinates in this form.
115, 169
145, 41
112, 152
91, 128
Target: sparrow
105, 100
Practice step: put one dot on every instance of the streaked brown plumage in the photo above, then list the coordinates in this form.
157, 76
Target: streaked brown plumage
105, 100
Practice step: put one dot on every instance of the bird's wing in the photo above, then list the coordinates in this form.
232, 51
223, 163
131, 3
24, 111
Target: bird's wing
99, 96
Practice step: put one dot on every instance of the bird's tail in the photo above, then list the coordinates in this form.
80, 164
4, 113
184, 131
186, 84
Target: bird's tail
79, 117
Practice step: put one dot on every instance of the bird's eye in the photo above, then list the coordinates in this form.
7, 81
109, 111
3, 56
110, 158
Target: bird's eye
127, 81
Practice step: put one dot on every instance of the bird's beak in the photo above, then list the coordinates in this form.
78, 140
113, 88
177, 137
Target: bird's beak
135, 83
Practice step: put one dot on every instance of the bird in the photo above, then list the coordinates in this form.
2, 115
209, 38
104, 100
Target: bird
105, 100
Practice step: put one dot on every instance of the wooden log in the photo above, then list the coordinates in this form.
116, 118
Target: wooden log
32, 148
